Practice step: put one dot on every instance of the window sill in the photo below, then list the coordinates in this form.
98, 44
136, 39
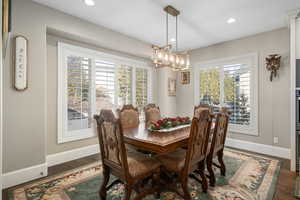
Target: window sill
76, 135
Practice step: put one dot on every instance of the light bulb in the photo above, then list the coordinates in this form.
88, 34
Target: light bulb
166, 57
177, 60
182, 61
159, 55
172, 58
188, 62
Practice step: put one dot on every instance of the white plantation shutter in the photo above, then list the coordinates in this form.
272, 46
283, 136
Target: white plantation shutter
79, 94
105, 85
141, 90
237, 93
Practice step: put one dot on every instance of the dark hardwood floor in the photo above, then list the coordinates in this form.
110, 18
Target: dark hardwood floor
285, 183
284, 188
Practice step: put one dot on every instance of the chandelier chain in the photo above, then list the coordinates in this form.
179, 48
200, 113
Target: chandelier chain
167, 25
176, 33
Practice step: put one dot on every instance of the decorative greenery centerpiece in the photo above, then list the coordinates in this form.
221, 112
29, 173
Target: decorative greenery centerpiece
167, 123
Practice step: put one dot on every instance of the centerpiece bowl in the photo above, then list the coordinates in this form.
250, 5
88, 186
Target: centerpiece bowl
170, 124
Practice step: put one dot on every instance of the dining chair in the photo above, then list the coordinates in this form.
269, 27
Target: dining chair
152, 114
129, 116
184, 163
131, 168
216, 146
200, 107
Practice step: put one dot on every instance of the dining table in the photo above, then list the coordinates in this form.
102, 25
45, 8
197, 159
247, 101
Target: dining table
160, 142
157, 141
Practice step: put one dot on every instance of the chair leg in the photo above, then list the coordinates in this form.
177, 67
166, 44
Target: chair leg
212, 178
203, 177
128, 190
185, 189
106, 175
220, 159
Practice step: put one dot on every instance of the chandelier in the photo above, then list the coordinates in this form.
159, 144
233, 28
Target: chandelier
166, 56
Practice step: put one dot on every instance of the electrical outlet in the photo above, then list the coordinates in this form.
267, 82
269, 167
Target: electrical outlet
275, 140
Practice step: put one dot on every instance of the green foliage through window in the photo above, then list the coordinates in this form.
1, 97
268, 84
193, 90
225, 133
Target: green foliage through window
141, 88
124, 91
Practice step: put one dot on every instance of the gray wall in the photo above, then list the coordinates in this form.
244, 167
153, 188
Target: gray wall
297, 38
52, 40
166, 103
1, 97
274, 97
26, 113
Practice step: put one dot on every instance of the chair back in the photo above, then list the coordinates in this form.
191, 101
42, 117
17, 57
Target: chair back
129, 117
200, 107
198, 141
110, 135
152, 114
220, 131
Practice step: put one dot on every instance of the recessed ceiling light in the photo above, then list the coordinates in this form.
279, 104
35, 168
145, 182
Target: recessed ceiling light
173, 40
231, 20
89, 2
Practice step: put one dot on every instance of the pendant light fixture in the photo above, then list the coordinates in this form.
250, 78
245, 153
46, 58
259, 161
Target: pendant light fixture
167, 56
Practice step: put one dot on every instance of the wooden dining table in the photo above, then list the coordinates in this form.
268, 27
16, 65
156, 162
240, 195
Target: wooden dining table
157, 142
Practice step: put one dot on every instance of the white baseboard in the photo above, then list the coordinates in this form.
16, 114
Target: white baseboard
259, 148
28, 174
58, 158
24, 175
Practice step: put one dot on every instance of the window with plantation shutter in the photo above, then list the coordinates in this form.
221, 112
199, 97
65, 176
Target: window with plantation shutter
89, 81
232, 84
210, 87
237, 93
79, 95
141, 91
105, 85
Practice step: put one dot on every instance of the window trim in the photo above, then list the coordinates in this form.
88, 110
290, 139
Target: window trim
252, 59
63, 50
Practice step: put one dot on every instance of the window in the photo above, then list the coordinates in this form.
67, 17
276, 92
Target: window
124, 79
141, 93
105, 85
210, 86
79, 94
89, 81
230, 83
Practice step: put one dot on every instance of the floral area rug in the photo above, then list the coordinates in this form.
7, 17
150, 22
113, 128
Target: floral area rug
248, 177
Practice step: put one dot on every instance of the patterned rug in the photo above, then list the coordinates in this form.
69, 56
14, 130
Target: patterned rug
249, 177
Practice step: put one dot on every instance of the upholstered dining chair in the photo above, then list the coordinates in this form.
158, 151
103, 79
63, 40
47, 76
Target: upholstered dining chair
184, 163
129, 116
152, 114
200, 107
130, 169
216, 146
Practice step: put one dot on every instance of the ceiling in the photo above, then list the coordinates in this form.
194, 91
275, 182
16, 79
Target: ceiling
201, 22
